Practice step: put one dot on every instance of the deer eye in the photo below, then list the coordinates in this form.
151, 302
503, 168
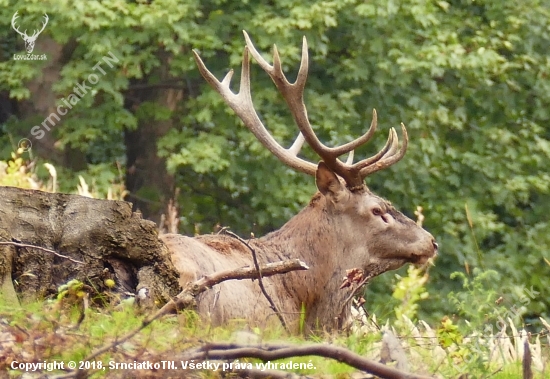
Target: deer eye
377, 211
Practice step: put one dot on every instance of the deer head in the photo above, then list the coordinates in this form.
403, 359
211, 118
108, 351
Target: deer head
345, 225
29, 40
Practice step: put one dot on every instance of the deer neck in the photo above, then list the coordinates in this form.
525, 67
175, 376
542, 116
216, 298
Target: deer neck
310, 237
307, 236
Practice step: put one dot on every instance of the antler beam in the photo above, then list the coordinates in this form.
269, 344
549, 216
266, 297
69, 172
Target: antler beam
293, 94
242, 105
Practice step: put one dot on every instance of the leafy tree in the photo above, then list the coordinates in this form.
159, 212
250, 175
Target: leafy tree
469, 79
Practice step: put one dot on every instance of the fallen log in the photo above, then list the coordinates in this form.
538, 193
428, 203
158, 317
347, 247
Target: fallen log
48, 239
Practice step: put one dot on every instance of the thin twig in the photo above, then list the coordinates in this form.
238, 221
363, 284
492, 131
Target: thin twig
373, 268
361, 307
260, 282
351, 295
18, 244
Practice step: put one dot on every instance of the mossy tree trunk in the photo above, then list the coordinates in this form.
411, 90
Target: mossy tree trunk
109, 240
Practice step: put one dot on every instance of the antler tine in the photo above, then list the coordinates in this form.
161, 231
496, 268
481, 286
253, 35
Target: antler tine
391, 143
15, 17
389, 157
36, 32
297, 145
293, 95
347, 147
292, 92
242, 105
349, 161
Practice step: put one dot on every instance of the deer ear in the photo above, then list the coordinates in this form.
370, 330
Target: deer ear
328, 183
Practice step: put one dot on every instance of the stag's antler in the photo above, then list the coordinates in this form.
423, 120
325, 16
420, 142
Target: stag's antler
293, 93
15, 16
36, 33
24, 34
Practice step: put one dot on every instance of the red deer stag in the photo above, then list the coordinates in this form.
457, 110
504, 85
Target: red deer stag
344, 226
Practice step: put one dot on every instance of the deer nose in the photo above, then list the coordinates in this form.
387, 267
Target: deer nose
435, 245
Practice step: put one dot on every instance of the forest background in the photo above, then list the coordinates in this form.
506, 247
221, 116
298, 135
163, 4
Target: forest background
470, 79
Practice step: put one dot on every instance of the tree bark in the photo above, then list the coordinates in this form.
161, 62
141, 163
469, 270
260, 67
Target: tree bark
148, 182
109, 239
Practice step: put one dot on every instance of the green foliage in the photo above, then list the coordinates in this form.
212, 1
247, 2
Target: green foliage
54, 321
15, 173
471, 80
483, 314
46, 329
476, 301
409, 290
72, 288
469, 357
449, 334
302, 319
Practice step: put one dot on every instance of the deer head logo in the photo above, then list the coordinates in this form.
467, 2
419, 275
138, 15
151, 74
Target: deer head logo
29, 40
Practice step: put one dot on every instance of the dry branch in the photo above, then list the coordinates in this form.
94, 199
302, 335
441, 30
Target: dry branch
247, 272
267, 374
220, 351
262, 373
18, 244
90, 234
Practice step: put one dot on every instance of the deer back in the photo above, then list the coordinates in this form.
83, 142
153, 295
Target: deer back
230, 300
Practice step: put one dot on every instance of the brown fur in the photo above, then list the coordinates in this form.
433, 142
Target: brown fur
338, 230
221, 243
